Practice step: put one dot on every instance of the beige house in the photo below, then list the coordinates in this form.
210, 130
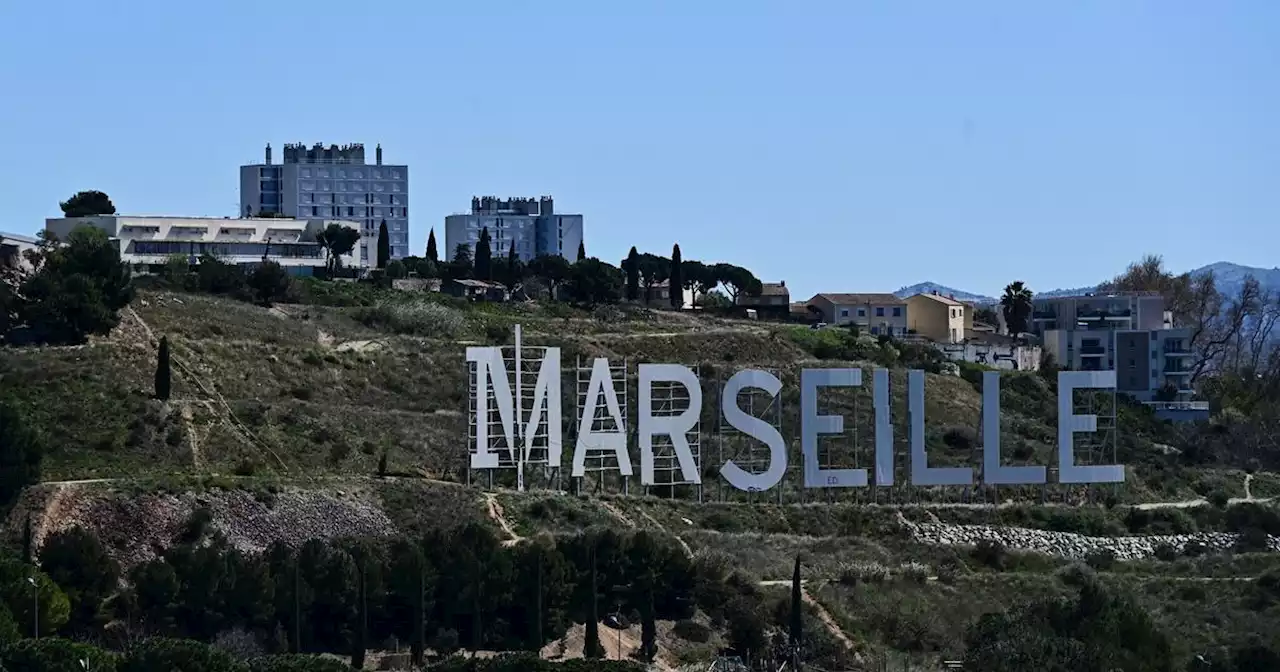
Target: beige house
878, 314
938, 318
774, 299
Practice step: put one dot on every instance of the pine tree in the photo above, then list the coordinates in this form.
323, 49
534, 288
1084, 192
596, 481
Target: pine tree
163, 373
675, 284
384, 245
633, 274
591, 647
359, 643
432, 254
582, 251
797, 622
484, 257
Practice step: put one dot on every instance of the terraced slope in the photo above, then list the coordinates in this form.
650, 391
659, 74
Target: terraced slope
279, 418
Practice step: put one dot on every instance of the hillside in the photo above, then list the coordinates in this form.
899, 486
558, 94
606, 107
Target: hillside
279, 418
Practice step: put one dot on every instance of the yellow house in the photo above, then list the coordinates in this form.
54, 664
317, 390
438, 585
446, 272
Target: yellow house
938, 318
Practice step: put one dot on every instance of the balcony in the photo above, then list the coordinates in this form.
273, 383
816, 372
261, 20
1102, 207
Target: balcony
1176, 371
1043, 315
1092, 315
1092, 351
1176, 349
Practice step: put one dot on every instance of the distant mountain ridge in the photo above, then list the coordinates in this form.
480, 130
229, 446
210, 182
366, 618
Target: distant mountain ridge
1229, 277
932, 287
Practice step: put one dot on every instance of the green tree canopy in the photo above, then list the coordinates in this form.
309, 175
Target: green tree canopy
337, 240
77, 289
21, 450
1016, 305
87, 204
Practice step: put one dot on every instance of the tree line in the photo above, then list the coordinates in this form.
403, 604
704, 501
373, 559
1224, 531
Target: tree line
444, 591
586, 280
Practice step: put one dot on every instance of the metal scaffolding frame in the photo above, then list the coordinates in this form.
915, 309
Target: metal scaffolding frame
531, 463
747, 452
667, 399
599, 465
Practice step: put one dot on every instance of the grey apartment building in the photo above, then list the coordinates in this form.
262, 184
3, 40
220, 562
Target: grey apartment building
332, 182
531, 225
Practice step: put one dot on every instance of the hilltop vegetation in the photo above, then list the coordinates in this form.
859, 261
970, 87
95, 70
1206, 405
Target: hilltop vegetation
325, 427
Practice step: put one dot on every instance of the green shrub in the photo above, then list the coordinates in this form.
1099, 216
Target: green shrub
173, 655
297, 663
53, 654
417, 318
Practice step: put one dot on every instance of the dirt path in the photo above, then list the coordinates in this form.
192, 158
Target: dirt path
53, 512
617, 513
189, 373
498, 516
827, 620
188, 422
654, 521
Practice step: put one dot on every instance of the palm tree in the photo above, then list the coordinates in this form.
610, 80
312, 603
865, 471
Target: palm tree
1016, 306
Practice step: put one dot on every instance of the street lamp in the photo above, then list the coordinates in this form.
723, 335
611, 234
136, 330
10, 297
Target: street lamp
35, 592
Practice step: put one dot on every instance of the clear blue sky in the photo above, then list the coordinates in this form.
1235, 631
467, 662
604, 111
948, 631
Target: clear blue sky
840, 145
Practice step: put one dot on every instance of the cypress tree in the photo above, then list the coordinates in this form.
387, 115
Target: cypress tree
797, 623
297, 602
362, 616
537, 606
484, 256
591, 647
28, 540
648, 626
633, 274
384, 245
675, 285
432, 254
163, 373
582, 251
418, 640
513, 266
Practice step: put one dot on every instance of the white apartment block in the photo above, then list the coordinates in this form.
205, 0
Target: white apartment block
149, 242
333, 182
1131, 334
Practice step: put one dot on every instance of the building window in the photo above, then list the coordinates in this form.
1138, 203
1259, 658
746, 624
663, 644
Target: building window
844, 313
897, 312
879, 312
862, 312
875, 331
306, 172
395, 174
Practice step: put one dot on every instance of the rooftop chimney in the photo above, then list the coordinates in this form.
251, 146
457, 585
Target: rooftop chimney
268, 153
378, 150
782, 283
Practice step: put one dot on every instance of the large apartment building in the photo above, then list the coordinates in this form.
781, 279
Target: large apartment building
1131, 334
332, 182
530, 225
149, 242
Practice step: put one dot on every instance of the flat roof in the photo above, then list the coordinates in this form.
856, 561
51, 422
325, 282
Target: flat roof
30, 240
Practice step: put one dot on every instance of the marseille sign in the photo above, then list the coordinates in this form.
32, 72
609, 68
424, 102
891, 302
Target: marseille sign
514, 422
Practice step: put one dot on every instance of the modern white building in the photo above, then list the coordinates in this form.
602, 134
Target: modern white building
531, 226
1131, 334
332, 182
12, 247
150, 242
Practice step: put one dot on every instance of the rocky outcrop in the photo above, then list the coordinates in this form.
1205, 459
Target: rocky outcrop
1067, 544
136, 527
